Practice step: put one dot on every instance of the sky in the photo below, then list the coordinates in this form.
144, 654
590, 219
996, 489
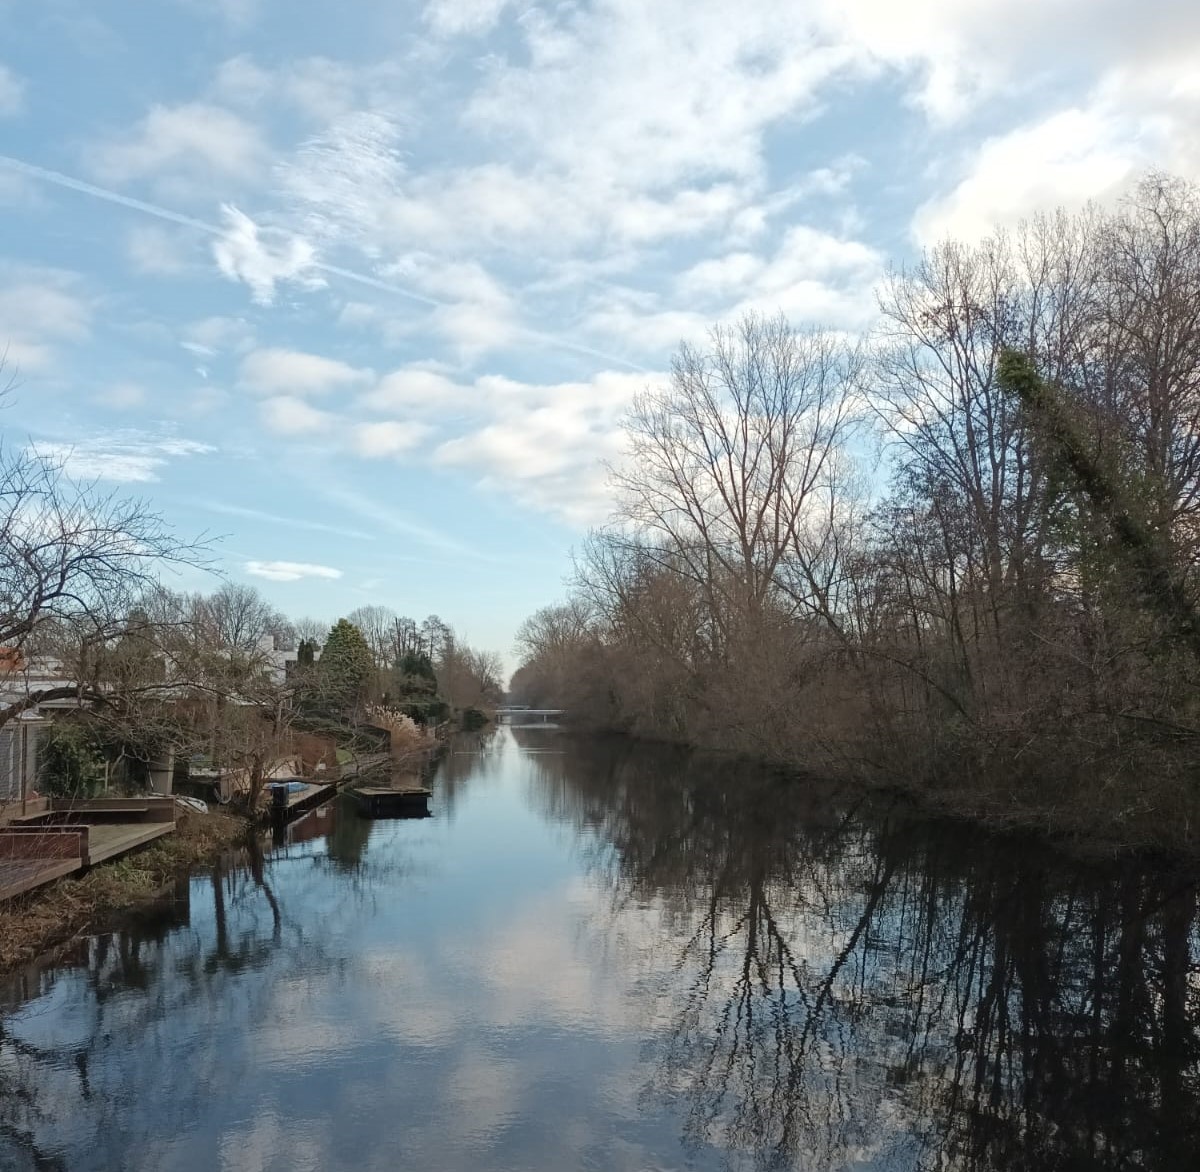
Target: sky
360, 291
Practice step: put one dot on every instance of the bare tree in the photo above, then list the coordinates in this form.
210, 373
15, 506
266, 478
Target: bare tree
733, 463
73, 561
552, 630
239, 617
406, 637
310, 630
433, 635
378, 625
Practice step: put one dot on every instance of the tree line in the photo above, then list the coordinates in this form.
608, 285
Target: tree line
85, 616
959, 552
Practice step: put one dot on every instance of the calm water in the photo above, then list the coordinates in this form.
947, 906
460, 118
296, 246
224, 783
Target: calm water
596, 956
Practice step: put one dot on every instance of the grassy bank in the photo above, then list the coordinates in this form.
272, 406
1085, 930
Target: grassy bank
51, 916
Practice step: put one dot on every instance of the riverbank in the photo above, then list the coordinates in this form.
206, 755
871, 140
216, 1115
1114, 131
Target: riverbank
1080, 830
1088, 808
1134, 800
52, 916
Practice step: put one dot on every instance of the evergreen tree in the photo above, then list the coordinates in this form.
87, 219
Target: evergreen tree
346, 666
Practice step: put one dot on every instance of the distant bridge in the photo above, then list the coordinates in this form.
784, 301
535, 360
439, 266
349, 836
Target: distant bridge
511, 710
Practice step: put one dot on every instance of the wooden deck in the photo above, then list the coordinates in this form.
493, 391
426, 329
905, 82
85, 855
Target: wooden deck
312, 795
64, 836
108, 842
18, 876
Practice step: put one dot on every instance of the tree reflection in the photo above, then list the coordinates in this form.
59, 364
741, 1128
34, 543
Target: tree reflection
831, 984
199, 946
470, 759
851, 985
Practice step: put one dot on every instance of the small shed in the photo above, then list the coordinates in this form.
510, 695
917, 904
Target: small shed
19, 756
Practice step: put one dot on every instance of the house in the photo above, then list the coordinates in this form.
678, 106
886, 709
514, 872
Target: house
279, 664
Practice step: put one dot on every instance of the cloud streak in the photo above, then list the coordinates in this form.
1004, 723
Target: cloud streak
268, 518
127, 457
368, 509
290, 571
239, 258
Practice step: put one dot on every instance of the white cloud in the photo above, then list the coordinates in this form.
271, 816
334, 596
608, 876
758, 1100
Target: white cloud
12, 93
387, 438
956, 52
720, 275
156, 251
238, 14
454, 17
656, 94
346, 182
122, 397
292, 372
471, 309
415, 389
241, 81
641, 325
545, 444
1066, 159
20, 355
809, 275
317, 87
39, 308
211, 336
124, 456
288, 416
1138, 115
617, 132
959, 55
43, 300
198, 139
290, 571
262, 258
804, 254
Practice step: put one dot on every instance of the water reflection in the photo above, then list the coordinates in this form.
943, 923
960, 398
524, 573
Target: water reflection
851, 987
607, 956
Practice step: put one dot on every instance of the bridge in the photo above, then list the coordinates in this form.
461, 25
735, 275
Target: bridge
511, 710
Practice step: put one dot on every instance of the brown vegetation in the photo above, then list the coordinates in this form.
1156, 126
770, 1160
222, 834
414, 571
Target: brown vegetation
1002, 615
407, 740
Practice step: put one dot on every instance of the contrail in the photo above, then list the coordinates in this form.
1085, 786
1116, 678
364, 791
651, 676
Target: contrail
45, 175
161, 213
126, 201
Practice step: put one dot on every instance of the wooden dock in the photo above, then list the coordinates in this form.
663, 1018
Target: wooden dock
65, 835
385, 802
302, 800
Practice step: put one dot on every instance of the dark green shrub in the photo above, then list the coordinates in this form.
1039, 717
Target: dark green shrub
70, 764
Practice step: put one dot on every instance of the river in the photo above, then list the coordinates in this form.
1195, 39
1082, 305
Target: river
602, 956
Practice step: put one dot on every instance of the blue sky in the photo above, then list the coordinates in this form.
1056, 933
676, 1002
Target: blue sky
364, 288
